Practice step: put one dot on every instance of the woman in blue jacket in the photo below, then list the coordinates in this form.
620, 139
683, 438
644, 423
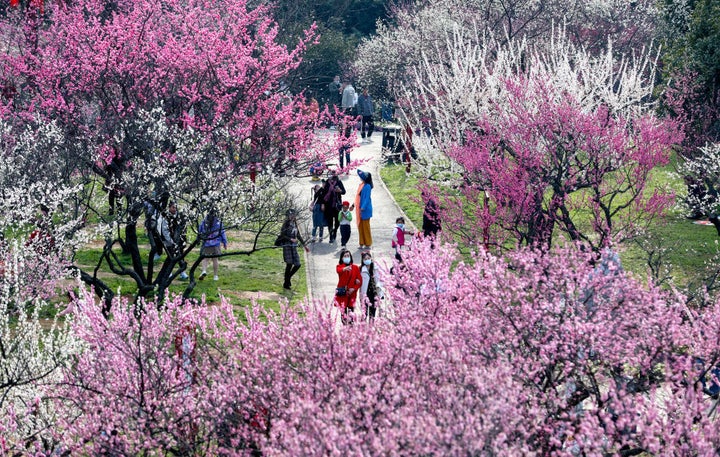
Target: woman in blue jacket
364, 209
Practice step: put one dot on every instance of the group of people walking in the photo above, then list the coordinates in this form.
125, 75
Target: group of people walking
331, 211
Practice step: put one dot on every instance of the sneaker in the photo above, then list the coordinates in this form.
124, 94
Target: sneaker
342, 246
313, 239
369, 140
215, 278
183, 276
202, 275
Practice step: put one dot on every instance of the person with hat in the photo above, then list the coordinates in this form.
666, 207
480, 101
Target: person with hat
291, 235
345, 219
364, 209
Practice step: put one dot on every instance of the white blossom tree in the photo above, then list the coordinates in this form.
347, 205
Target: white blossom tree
417, 28
32, 351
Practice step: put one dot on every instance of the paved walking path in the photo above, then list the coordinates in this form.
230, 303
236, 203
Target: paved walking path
320, 262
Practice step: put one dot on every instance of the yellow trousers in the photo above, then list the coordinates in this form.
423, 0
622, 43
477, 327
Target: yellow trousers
364, 232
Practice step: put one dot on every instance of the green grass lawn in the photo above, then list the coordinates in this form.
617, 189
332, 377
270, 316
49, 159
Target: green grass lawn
242, 278
404, 189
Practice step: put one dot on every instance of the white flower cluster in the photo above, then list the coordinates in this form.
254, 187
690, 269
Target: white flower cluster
33, 351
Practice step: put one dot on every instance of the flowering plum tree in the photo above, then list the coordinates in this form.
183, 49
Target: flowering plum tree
147, 101
419, 30
534, 354
545, 136
547, 163
150, 380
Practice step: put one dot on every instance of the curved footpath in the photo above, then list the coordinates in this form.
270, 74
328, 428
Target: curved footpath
320, 262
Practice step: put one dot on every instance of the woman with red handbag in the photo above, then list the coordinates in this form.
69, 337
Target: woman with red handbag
349, 282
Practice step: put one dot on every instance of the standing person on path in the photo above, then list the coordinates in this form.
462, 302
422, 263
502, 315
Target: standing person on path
364, 209
366, 110
345, 217
291, 235
349, 282
318, 217
348, 99
331, 204
344, 150
212, 234
371, 286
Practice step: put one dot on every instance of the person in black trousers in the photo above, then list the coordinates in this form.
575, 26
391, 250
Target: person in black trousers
331, 204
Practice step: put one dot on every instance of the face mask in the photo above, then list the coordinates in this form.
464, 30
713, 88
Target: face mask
367, 261
346, 260
401, 226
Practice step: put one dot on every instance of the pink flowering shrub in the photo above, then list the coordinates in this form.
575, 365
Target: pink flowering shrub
532, 354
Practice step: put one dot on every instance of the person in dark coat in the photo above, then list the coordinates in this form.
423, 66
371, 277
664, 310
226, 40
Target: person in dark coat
331, 204
291, 236
431, 217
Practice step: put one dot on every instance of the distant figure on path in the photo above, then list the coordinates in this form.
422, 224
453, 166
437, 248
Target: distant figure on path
366, 110
332, 204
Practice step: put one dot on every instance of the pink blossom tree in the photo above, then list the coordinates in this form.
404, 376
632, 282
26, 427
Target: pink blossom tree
150, 380
149, 101
542, 162
535, 353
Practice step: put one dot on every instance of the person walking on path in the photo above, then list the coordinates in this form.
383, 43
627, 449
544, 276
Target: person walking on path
366, 110
332, 203
371, 289
364, 209
213, 235
344, 149
349, 282
345, 217
291, 235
